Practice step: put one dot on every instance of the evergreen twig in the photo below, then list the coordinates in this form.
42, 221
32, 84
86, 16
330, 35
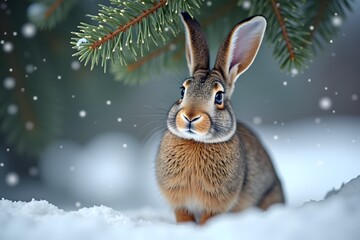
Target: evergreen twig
51, 12
283, 28
55, 5
129, 24
125, 23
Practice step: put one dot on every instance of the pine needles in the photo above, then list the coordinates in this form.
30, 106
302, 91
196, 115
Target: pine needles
127, 29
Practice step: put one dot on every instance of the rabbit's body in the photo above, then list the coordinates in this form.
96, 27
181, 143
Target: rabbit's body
217, 177
208, 163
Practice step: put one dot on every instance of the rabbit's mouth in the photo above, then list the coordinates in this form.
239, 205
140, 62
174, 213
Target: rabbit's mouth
191, 134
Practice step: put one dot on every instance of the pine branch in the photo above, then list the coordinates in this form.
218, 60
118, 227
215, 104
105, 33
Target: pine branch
124, 28
47, 13
128, 26
55, 5
284, 31
169, 59
325, 19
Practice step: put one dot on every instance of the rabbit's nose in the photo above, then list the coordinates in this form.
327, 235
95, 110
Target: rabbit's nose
191, 119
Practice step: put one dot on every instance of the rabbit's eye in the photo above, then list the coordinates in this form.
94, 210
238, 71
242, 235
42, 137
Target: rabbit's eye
219, 98
182, 92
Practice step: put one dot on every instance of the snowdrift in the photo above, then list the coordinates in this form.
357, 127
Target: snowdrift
335, 217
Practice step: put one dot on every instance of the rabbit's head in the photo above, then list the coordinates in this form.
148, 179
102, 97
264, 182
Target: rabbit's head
204, 113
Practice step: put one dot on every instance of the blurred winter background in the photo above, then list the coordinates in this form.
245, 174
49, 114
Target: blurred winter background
107, 133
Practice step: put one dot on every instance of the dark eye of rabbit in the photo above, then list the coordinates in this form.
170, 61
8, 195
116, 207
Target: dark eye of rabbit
182, 92
219, 98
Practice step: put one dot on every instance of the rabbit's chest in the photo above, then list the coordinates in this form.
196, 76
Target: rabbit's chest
189, 171
196, 167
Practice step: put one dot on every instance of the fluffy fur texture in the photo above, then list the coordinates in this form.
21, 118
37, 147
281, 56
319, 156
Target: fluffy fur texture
208, 163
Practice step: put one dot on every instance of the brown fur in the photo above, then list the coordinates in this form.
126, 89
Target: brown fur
221, 176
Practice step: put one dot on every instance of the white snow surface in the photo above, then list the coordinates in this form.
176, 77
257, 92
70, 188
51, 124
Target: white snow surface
335, 217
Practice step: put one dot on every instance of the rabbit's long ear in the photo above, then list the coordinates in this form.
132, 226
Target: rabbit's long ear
239, 49
197, 50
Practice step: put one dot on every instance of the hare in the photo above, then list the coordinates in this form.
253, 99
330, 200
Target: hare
208, 163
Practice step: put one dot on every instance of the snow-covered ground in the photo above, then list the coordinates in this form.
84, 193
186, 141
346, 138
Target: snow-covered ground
337, 217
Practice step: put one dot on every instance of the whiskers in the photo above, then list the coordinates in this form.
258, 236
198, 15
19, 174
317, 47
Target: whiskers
154, 124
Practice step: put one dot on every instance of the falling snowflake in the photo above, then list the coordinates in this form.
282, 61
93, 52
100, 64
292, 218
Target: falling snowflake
294, 72
119, 119
108, 102
12, 179
336, 21
246, 5
36, 11
30, 68
257, 120
172, 47
8, 47
28, 30
9, 83
12, 109
29, 125
325, 103
82, 113
75, 65
33, 171
317, 120
354, 97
